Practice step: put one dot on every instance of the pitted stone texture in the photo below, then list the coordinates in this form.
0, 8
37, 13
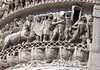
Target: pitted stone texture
96, 7
92, 67
96, 34
94, 59
96, 13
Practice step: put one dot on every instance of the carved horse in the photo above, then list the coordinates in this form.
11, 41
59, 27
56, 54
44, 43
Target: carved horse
15, 38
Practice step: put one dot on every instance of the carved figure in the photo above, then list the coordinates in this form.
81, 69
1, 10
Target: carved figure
11, 4
81, 27
36, 27
33, 33
22, 3
90, 28
60, 27
69, 23
17, 3
46, 27
1, 13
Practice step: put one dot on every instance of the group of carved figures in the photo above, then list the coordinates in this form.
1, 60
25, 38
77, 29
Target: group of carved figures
49, 28
7, 6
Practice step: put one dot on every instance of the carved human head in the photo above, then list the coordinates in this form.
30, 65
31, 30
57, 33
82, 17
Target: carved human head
38, 18
50, 16
31, 18
83, 18
27, 23
68, 14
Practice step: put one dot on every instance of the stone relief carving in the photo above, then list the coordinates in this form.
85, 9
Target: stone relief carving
70, 38
10, 6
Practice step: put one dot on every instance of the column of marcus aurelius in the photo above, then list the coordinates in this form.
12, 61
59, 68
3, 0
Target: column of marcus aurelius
50, 34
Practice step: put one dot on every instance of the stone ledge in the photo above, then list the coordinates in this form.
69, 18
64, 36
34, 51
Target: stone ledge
96, 13
94, 48
94, 60
91, 67
97, 7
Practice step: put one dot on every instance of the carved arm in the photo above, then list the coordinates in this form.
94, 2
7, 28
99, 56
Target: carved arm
59, 22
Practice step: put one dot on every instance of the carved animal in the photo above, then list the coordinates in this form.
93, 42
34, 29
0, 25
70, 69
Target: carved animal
32, 36
17, 2
16, 38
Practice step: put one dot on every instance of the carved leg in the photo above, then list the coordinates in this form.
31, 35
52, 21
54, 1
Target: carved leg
59, 37
66, 35
6, 45
53, 37
16, 7
44, 39
76, 34
84, 41
41, 38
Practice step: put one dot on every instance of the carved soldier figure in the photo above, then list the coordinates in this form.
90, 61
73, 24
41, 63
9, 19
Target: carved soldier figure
11, 4
6, 7
69, 23
17, 3
22, 3
27, 2
2, 10
37, 27
60, 27
90, 28
81, 26
16, 27
46, 27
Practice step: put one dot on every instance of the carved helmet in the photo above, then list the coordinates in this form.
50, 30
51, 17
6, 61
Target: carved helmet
62, 13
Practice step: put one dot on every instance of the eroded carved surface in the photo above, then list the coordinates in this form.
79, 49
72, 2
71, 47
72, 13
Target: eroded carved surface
63, 36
